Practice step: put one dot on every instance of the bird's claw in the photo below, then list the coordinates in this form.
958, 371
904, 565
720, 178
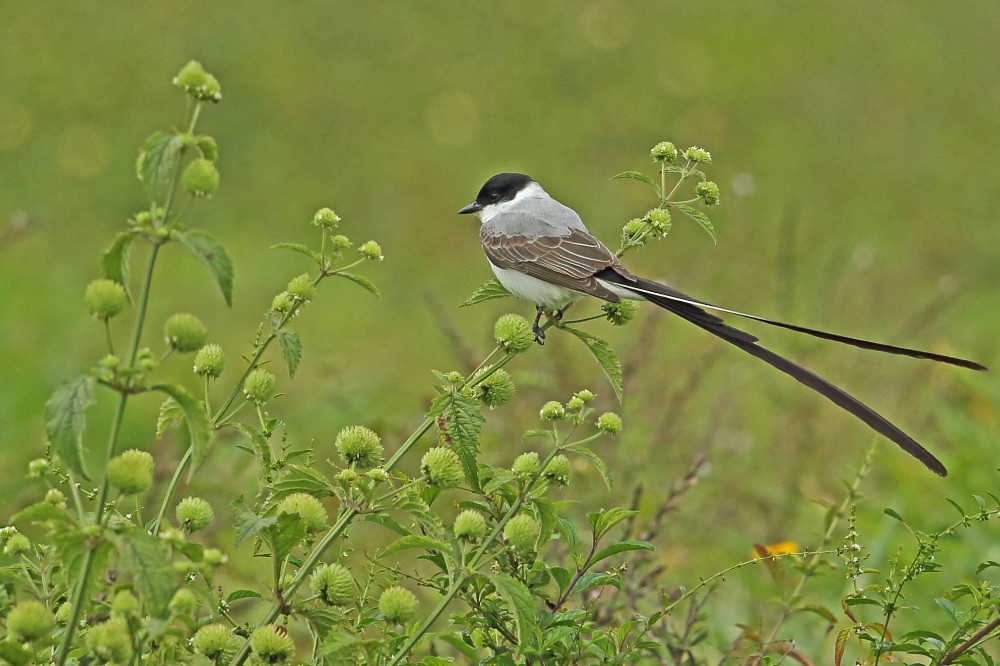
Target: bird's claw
539, 334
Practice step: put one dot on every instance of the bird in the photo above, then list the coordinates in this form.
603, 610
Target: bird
541, 251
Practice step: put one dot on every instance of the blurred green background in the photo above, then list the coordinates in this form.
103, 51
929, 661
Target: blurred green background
855, 143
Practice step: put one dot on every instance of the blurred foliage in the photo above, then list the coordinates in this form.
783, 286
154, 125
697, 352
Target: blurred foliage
855, 145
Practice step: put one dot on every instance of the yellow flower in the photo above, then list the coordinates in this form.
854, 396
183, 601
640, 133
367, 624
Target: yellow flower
780, 548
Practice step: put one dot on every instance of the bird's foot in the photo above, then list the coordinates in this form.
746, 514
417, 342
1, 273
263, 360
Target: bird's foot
539, 333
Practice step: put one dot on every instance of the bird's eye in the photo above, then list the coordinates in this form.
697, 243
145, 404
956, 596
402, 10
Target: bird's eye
495, 196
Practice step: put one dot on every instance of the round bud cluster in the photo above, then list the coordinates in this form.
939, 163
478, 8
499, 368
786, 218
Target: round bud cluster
283, 303
326, 219
397, 604
521, 532
442, 467
469, 526
708, 192
333, 584
307, 507
664, 151
105, 298
201, 177
659, 222
696, 154
17, 544
526, 464
214, 557
513, 333
29, 621
131, 472
184, 602
215, 641
620, 313
301, 288
124, 604
259, 386
610, 423
586, 395
360, 447
552, 411
378, 475
38, 467
55, 497
208, 147
272, 644
198, 83
496, 389
184, 332
558, 471
145, 360
194, 514
109, 641
348, 477
209, 361
371, 250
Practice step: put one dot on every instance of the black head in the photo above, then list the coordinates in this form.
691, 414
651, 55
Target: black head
499, 188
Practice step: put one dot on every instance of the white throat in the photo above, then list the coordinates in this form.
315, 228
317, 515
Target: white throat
531, 191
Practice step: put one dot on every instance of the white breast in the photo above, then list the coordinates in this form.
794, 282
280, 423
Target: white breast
532, 289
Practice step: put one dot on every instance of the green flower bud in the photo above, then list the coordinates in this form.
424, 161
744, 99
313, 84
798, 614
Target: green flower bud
131, 472
301, 288
282, 303
212, 91
348, 477
145, 360
209, 361
272, 644
586, 395
496, 389
521, 532
634, 227
213, 557
340, 242
526, 464
360, 447
307, 507
513, 333
620, 313
29, 621
664, 151
109, 641
124, 604
259, 386
558, 470
184, 332
333, 584
378, 475
696, 154
469, 526
610, 423
173, 536
17, 544
659, 221
326, 219
184, 602
397, 604
63, 612
215, 641
192, 77
55, 497
201, 177
371, 250
194, 514
38, 467
552, 411
184, 568
442, 467
708, 192
574, 405
105, 298
208, 148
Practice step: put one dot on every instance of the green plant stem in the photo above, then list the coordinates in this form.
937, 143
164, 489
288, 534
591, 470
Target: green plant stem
171, 488
107, 336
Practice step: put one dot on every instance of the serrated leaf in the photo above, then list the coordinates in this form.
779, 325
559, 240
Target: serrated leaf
430, 521
158, 159
639, 176
620, 547
291, 349
698, 217
486, 291
340, 647
297, 479
301, 249
65, 420
199, 429
114, 260
603, 520
39, 512
170, 413
459, 420
249, 524
840, 645
236, 595
596, 461
152, 572
264, 457
413, 541
211, 253
546, 512
604, 354
285, 534
518, 600
359, 280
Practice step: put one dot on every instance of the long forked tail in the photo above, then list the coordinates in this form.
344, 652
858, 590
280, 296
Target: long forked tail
692, 310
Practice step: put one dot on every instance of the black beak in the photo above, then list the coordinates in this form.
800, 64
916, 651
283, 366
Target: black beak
473, 207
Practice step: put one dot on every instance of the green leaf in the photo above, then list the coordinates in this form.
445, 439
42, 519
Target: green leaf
286, 533
301, 249
604, 354
840, 645
893, 514
152, 572
360, 281
114, 261
597, 462
40, 512
291, 348
264, 457
595, 579
486, 291
340, 647
158, 159
822, 611
698, 217
456, 642
211, 253
518, 599
641, 177
249, 524
170, 413
562, 576
297, 479
65, 420
603, 520
459, 420
620, 547
236, 595
413, 541
199, 429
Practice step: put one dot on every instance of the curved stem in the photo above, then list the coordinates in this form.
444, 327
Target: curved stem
171, 487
